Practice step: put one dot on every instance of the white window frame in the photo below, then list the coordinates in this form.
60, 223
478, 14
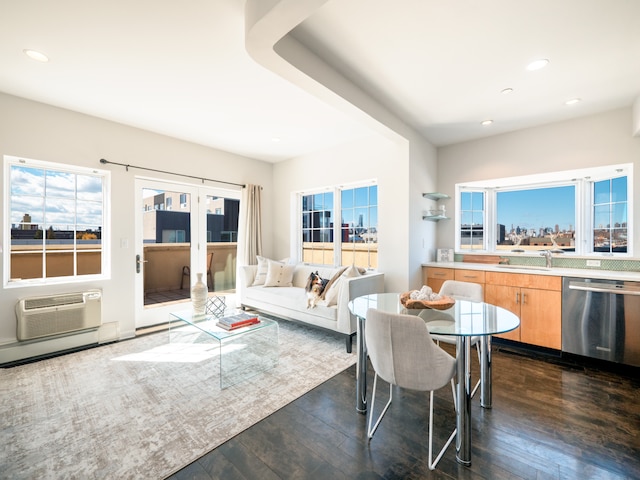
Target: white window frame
105, 246
296, 241
581, 179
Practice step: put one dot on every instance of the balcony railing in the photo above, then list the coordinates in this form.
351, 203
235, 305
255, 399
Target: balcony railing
162, 269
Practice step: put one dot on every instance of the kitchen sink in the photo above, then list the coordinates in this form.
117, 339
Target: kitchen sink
524, 267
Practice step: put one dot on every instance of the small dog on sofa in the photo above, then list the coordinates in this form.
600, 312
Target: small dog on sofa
314, 288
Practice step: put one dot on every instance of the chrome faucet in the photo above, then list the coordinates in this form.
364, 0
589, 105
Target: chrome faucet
548, 256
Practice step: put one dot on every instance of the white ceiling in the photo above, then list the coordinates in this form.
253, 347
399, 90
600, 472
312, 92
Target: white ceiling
181, 69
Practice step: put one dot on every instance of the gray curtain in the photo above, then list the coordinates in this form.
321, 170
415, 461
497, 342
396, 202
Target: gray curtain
250, 226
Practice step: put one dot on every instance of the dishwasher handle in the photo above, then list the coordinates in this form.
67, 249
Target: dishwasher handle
619, 289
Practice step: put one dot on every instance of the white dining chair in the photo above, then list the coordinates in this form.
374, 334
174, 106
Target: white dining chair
461, 291
402, 353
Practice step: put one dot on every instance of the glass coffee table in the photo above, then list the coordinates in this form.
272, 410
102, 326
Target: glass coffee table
244, 352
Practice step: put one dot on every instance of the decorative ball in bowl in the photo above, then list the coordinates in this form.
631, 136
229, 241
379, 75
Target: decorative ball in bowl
442, 304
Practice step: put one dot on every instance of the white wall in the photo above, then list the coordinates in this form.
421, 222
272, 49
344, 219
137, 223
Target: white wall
596, 140
38, 131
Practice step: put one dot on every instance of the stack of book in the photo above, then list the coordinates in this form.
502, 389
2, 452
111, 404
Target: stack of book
237, 321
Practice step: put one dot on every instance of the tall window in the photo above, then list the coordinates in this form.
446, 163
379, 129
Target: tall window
317, 228
583, 211
360, 226
56, 220
610, 215
472, 221
352, 240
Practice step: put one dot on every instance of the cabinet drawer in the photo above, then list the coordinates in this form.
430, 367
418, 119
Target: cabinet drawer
475, 276
542, 282
440, 273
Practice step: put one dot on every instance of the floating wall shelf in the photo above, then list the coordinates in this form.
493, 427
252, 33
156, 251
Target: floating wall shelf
436, 196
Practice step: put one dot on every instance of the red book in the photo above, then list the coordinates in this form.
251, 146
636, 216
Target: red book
232, 325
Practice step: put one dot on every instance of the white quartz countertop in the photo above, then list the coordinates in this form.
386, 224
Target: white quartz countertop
560, 272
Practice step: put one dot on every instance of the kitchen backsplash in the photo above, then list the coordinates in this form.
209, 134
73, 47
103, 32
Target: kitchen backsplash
568, 262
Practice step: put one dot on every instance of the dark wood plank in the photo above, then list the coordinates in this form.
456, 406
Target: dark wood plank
550, 419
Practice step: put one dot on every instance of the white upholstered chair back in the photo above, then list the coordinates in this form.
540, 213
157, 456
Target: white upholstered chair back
462, 290
402, 352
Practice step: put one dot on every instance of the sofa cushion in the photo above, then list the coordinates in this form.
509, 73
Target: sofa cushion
292, 298
279, 274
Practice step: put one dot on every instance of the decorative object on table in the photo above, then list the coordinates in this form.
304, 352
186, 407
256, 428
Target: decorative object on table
216, 306
445, 255
425, 298
199, 293
237, 321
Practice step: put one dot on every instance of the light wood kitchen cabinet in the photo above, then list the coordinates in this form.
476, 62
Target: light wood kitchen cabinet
434, 277
536, 299
474, 276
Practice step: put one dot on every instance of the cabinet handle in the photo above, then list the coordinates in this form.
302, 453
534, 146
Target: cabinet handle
517, 297
469, 276
524, 298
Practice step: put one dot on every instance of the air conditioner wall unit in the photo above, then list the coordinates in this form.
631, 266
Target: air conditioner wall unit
46, 316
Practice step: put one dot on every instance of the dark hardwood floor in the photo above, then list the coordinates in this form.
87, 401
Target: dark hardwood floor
550, 420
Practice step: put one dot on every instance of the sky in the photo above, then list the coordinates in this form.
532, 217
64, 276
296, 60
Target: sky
538, 208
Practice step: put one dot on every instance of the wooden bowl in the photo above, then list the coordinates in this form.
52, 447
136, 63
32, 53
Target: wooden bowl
443, 304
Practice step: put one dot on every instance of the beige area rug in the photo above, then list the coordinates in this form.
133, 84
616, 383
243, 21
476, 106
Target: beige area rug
136, 409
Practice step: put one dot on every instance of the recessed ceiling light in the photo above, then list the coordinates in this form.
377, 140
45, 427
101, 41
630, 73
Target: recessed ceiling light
538, 64
487, 122
573, 101
507, 91
35, 55
276, 139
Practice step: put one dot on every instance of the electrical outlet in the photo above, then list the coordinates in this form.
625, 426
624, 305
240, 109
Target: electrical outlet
593, 263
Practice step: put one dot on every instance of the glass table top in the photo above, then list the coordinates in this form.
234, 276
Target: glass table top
465, 318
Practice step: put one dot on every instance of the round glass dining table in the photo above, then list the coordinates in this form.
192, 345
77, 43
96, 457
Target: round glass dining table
464, 320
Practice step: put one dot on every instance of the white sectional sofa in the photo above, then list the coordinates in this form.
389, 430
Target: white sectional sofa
279, 289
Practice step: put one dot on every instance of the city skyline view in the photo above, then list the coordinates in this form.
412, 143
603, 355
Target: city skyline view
533, 209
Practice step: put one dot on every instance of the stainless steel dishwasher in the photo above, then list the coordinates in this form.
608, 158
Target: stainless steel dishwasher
601, 319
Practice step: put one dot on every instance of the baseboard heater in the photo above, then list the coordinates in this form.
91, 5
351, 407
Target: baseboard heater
40, 317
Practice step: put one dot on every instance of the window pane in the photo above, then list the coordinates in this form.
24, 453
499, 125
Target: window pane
537, 218
60, 211
27, 181
465, 201
60, 184
362, 196
348, 199
318, 201
601, 192
619, 218
619, 189
89, 188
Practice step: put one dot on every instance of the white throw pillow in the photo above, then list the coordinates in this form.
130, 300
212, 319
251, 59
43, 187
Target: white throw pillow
261, 272
331, 295
352, 271
279, 274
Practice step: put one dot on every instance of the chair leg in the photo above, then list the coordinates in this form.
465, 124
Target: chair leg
371, 431
433, 463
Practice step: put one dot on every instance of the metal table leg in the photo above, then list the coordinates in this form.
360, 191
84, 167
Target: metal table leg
463, 394
361, 370
485, 366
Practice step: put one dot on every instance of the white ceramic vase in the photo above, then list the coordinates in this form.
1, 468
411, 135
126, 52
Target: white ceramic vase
199, 293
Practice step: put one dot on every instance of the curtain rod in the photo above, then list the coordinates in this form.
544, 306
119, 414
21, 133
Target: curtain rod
104, 162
